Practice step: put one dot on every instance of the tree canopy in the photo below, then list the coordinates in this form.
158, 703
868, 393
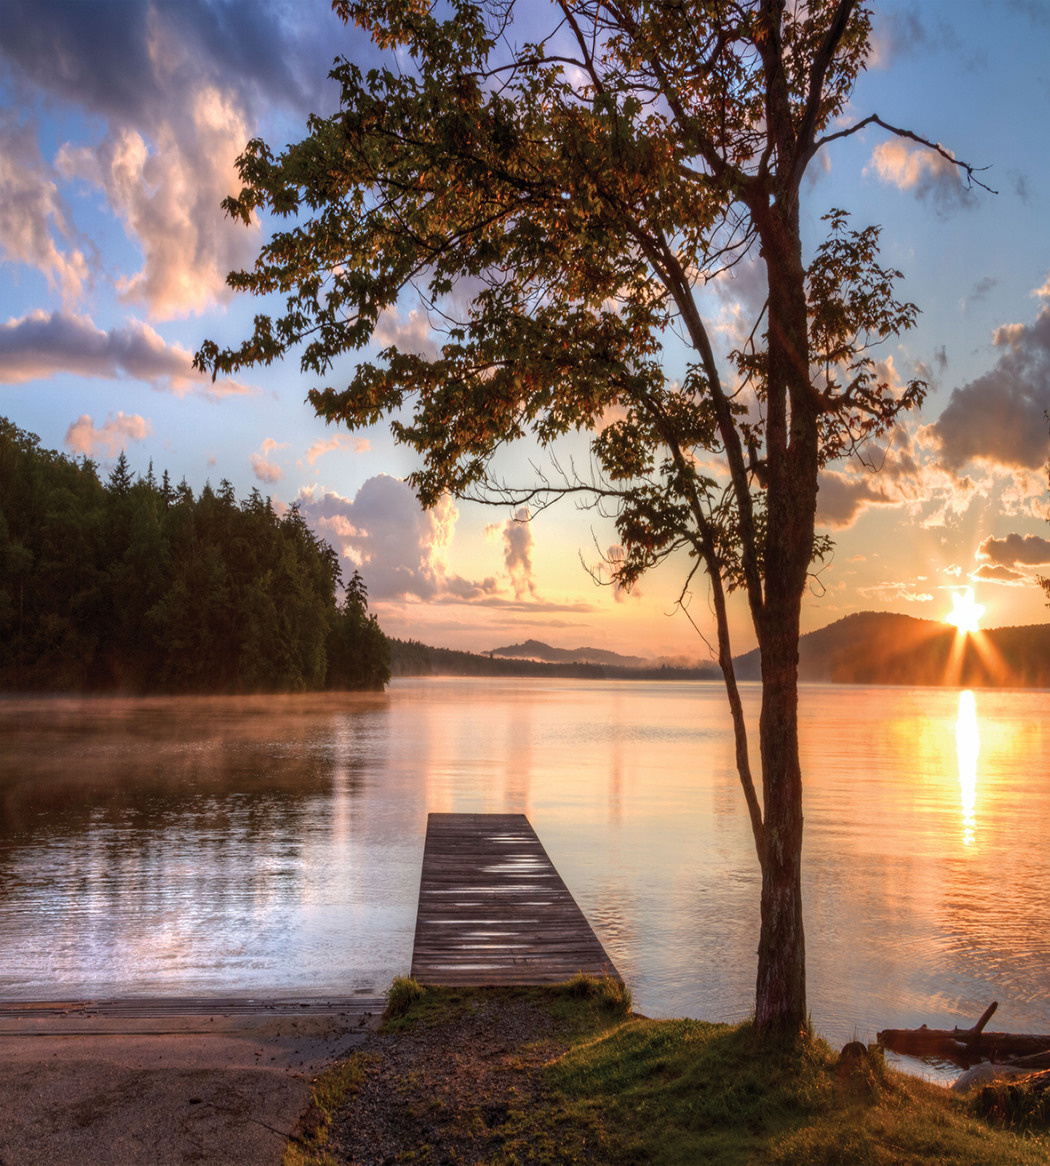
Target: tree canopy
136, 586
561, 204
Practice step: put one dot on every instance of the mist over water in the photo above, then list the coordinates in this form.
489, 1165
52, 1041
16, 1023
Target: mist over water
264, 846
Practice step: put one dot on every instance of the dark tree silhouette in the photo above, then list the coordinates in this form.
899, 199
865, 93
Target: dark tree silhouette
135, 587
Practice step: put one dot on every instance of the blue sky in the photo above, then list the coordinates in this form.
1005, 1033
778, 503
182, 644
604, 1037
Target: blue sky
119, 125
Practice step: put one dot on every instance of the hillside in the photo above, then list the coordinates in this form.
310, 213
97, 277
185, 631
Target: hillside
866, 648
883, 648
537, 650
411, 658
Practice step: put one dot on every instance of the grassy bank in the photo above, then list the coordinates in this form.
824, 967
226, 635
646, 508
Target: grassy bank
566, 1076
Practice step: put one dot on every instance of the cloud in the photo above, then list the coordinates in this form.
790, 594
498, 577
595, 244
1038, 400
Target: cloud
339, 441
267, 471
401, 549
889, 592
103, 54
178, 88
844, 496
165, 181
741, 292
83, 437
996, 573
1034, 10
32, 213
1028, 549
929, 175
980, 291
517, 552
903, 475
906, 31
409, 335
42, 345
999, 417
897, 33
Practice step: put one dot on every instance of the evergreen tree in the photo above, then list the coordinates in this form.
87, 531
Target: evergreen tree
134, 587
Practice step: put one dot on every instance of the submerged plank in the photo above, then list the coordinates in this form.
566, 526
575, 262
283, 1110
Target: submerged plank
493, 910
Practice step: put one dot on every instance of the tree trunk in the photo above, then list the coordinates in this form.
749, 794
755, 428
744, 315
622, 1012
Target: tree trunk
780, 992
792, 461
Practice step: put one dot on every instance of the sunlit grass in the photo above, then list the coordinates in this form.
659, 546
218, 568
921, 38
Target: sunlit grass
678, 1092
628, 1090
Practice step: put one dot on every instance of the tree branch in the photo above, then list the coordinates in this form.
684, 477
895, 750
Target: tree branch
817, 74
947, 155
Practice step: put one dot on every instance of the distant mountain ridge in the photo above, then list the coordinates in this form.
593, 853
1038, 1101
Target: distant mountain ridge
877, 647
871, 647
411, 658
537, 650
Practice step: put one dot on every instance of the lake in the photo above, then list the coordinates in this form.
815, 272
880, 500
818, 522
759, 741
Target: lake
255, 846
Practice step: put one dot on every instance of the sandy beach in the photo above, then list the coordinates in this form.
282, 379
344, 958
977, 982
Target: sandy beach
163, 1085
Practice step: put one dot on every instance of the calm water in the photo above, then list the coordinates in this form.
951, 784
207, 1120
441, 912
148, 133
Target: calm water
258, 846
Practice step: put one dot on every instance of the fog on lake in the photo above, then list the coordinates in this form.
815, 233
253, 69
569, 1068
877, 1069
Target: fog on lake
265, 846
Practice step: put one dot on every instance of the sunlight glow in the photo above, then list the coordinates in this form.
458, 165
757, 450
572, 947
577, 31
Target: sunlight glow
968, 746
965, 613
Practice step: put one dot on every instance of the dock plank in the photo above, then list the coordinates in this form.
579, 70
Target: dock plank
494, 911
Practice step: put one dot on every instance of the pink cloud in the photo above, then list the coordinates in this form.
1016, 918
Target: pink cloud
85, 438
921, 171
345, 441
32, 214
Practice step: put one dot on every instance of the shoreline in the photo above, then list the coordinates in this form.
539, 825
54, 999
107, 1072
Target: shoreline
476, 1071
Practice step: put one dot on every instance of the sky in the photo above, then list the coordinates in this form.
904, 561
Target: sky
120, 122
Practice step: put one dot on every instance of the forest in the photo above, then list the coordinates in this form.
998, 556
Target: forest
133, 585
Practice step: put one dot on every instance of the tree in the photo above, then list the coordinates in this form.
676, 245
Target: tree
577, 193
1044, 581
358, 652
134, 587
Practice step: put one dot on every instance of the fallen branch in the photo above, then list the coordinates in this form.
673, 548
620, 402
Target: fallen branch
964, 1045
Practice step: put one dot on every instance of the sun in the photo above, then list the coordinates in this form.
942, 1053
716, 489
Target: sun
965, 613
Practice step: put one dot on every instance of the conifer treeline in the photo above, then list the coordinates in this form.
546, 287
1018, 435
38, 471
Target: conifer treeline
134, 585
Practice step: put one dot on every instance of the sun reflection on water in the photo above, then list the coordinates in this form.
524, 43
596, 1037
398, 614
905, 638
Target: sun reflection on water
968, 746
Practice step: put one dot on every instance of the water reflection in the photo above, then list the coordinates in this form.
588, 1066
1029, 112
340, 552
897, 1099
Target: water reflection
968, 746
187, 847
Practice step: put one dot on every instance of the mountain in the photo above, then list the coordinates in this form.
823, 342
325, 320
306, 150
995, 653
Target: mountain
537, 650
882, 648
411, 658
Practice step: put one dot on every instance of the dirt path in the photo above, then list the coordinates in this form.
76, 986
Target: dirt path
455, 1091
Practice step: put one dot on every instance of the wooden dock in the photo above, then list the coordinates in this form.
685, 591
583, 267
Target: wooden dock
493, 910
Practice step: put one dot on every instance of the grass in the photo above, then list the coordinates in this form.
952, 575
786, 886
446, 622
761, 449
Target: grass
678, 1092
331, 1091
628, 1090
401, 995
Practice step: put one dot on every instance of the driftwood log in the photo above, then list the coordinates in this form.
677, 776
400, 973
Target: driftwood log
965, 1046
